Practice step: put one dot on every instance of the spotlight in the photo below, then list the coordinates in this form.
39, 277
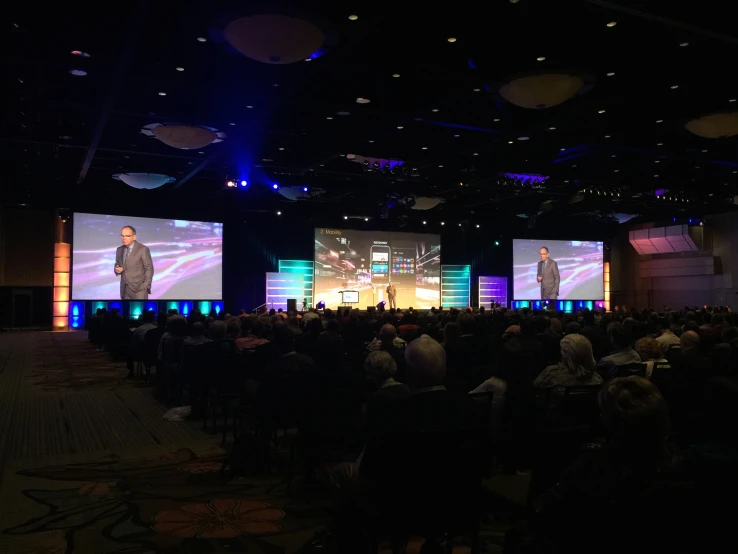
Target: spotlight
381, 305
230, 183
366, 219
304, 189
275, 186
497, 243
345, 217
320, 305
244, 183
279, 213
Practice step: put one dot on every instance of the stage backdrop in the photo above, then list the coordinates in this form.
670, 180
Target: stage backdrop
580, 268
187, 257
366, 261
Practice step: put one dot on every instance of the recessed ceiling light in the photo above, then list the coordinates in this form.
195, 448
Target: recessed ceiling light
353, 17
281, 147
329, 117
77, 72
496, 119
362, 100
601, 111
275, 85
657, 161
308, 59
440, 166
704, 151
395, 75
179, 68
162, 94
366, 219
249, 107
552, 128
659, 121
201, 39
457, 136
683, 44
523, 138
731, 100
371, 141
477, 225
451, 39
656, 175
279, 213
79, 53
674, 87
400, 127
562, 149
475, 154
611, 74
614, 156
616, 170
434, 110
442, 223
232, 123
343, 113
424, 222
509, 142
735, 171
607, 136
540, 58
201, 152
424, 148
477, 89
612, 23
709, 194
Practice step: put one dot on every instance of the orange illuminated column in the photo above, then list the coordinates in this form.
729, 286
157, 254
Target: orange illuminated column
606, 277
62, 267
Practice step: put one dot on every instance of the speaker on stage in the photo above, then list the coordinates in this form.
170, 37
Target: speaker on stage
291, 304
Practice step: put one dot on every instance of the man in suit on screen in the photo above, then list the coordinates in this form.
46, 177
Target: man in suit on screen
548, 276
134, 266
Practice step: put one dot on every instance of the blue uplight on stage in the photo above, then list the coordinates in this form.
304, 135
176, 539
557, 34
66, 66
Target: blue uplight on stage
76, 315
204, 307
152, 307
244, 184
115, 305
135, 309
185, 308
218, 307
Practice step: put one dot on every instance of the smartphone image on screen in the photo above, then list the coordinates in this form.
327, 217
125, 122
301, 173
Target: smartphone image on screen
380, 256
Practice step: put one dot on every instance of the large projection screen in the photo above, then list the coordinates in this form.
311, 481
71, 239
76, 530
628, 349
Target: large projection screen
367, 261
187, 257
580, 268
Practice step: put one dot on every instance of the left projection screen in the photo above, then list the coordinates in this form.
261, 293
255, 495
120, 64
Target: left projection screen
187, 257
367, 261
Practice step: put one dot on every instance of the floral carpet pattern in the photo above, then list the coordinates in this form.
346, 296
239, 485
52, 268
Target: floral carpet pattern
68, 362
174, 502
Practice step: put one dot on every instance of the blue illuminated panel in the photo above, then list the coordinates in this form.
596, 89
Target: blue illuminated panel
204, 307
282, 286
99, 306
135, 309
492, 289
455, 286
517, 304
306, 269
185, 308
152, 307
76, 315
218, 307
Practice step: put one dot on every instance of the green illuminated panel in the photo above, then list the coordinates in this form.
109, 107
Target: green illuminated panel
455, 286
136, 309
304, 268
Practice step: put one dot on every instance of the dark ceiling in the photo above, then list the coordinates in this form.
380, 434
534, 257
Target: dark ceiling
619, 140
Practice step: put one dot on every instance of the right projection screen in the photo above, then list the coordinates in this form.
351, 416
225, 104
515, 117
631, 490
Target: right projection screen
580, 268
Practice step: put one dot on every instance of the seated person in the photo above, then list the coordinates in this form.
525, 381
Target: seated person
651, 353
576, 368
622, 353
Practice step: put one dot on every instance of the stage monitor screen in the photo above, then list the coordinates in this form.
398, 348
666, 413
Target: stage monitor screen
580, 265
351, 297
369, 261
179, 259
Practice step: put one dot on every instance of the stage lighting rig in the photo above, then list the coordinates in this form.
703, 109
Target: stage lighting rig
230, 183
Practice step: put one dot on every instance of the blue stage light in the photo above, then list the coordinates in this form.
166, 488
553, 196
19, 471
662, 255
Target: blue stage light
275, 186
244, 183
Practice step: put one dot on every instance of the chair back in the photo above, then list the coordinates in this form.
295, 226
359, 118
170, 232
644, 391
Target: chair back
628, 370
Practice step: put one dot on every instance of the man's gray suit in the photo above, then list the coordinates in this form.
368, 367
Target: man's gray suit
549, 270
138, 271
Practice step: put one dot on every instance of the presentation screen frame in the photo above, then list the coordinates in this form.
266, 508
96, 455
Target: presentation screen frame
153, 297
569, 288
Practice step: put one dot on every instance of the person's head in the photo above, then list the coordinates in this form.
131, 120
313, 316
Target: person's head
689, 340
648, 349
619, 335
426, 363
387, 333
573, 328
635, 416
177, 326
543, 253
233, 327
198, 329
576, 355
127, 235
332, 326
728, 334
284, 338
466, 321
717, 319
662, 325
588, 318
379, 367
149, 316
451, 333
556, 326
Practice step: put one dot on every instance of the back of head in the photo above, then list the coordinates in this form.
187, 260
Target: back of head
576, 355
588, 317
648, 349
284, 338
198, 329
636, 418
717, 319
218, 330
426, 363
619, 336
380, 366
451, 333
149, 316
233, 327
177, 326
466, 321
387, 333
689, 340
333, 326
540, 324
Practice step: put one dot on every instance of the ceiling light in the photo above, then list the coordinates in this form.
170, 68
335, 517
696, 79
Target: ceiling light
362, 100
424, 223
179, 68
656, 175
201, 152
562, 149
275, 85
366, 219
659, 144
65, 137
353, 17
308, 59
434, 110
509, 142
540, 58
279, 213
522, 138
201, 39
329, 117
657, 161
614, 156
601, 111
424, 148
249, 107
451, 39
475, 154
371, 141
659, 121
281, 147
616, 171
440, 166
611, 74
709, 194
612, 23
607, 136
79, 53
704, 151
345, 217
457, 136
400, 127
552, 128
683, 44
395, 75
477, 89
343, 113
77, 72
275, 186
232, 123
162, 94
496, 119
674, 87
442, 223
731, 100
477, 225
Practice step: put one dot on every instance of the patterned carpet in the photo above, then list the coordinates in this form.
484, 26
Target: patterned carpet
89, 466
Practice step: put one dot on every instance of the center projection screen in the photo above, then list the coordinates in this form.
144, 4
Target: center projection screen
580, 268
367, 261
187, 257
